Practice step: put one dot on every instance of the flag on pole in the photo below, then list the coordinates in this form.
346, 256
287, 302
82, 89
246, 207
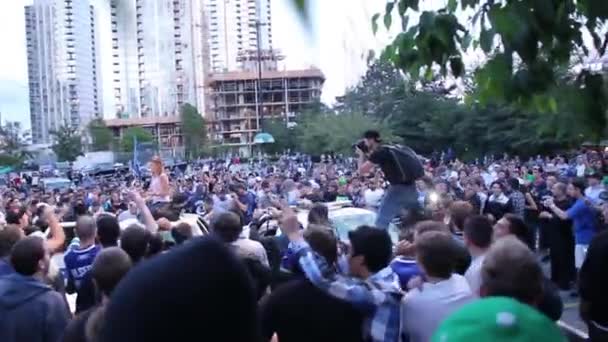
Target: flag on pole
135, 161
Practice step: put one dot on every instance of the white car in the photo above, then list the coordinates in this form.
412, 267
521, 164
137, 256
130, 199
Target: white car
344, 218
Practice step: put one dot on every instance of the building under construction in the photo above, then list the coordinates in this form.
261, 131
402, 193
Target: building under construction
240, 100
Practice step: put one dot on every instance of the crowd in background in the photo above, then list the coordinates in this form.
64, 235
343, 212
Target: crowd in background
467, 263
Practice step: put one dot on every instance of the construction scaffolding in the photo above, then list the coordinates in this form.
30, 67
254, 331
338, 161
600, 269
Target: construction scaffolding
237, 110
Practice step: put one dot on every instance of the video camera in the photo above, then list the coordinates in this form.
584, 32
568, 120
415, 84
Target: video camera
361, 145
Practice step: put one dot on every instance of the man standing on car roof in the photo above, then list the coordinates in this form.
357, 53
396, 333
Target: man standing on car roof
401, 193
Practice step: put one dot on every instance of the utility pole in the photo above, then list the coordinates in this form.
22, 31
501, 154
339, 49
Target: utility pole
259, 101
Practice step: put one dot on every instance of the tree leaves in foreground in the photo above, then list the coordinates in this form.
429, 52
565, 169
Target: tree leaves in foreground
526, 43
129, 135
194, 131
67, 143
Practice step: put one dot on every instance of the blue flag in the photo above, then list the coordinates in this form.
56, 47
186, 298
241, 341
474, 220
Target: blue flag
135, 162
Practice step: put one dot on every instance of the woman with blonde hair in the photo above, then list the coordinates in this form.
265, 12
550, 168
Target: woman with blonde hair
159, 191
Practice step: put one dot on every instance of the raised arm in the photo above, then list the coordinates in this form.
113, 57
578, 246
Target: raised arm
242, 207
345, 288
318, 272
146, 214
364, 165
557, 211
57, 239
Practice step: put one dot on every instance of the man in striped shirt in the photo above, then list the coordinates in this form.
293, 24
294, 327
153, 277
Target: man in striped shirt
372, 286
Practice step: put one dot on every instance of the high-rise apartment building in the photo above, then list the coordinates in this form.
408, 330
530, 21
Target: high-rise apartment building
233, 30
62, 65
240, 100
156, 51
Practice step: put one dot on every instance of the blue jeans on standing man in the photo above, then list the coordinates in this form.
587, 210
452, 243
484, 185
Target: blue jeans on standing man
396, 198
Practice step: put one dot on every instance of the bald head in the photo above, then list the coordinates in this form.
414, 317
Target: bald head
510, 269
227, 226
109, 267
86, 228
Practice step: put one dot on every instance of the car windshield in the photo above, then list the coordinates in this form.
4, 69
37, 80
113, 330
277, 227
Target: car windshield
345, 223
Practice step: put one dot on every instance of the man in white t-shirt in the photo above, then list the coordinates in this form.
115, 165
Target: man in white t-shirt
477, 238
442, 293
129, 214
594, 188
580, 166
372, 196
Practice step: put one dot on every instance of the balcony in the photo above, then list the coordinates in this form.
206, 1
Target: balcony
236, 130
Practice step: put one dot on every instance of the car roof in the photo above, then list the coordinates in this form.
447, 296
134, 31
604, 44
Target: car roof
332, 213
55, 179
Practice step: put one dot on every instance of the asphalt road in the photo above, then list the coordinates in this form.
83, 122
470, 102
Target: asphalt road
570, 316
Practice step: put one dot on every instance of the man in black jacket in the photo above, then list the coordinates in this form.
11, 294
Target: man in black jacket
592, 285
327, 318
29, 309
561, 239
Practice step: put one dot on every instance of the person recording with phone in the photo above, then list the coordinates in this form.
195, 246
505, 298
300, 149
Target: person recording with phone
401, 168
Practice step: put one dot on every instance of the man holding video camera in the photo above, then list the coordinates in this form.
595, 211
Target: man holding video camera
400, 166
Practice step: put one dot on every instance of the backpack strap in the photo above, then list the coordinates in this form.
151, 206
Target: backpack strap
391, 150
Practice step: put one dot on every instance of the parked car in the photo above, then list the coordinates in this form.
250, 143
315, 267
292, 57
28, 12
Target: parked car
55, 183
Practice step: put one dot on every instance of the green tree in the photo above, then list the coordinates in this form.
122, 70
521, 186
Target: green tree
101, 135
376, 93
194, 131
67, 143
131, 134
526, 43
284, 136
13, 140
428, 119
337, 132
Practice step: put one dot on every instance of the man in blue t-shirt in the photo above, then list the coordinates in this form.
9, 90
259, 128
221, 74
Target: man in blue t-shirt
583, 216
245, 201
79, 261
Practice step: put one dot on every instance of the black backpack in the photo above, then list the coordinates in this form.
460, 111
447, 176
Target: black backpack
408, 163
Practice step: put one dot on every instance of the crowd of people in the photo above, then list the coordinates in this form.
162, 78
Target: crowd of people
467, 263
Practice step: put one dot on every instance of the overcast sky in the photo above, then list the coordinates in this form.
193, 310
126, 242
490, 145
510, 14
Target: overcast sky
337, 44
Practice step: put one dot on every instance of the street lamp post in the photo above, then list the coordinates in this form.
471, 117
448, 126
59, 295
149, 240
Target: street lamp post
259, 97
259, 24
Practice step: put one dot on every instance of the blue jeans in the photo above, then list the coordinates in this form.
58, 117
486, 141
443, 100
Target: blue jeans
396, 198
